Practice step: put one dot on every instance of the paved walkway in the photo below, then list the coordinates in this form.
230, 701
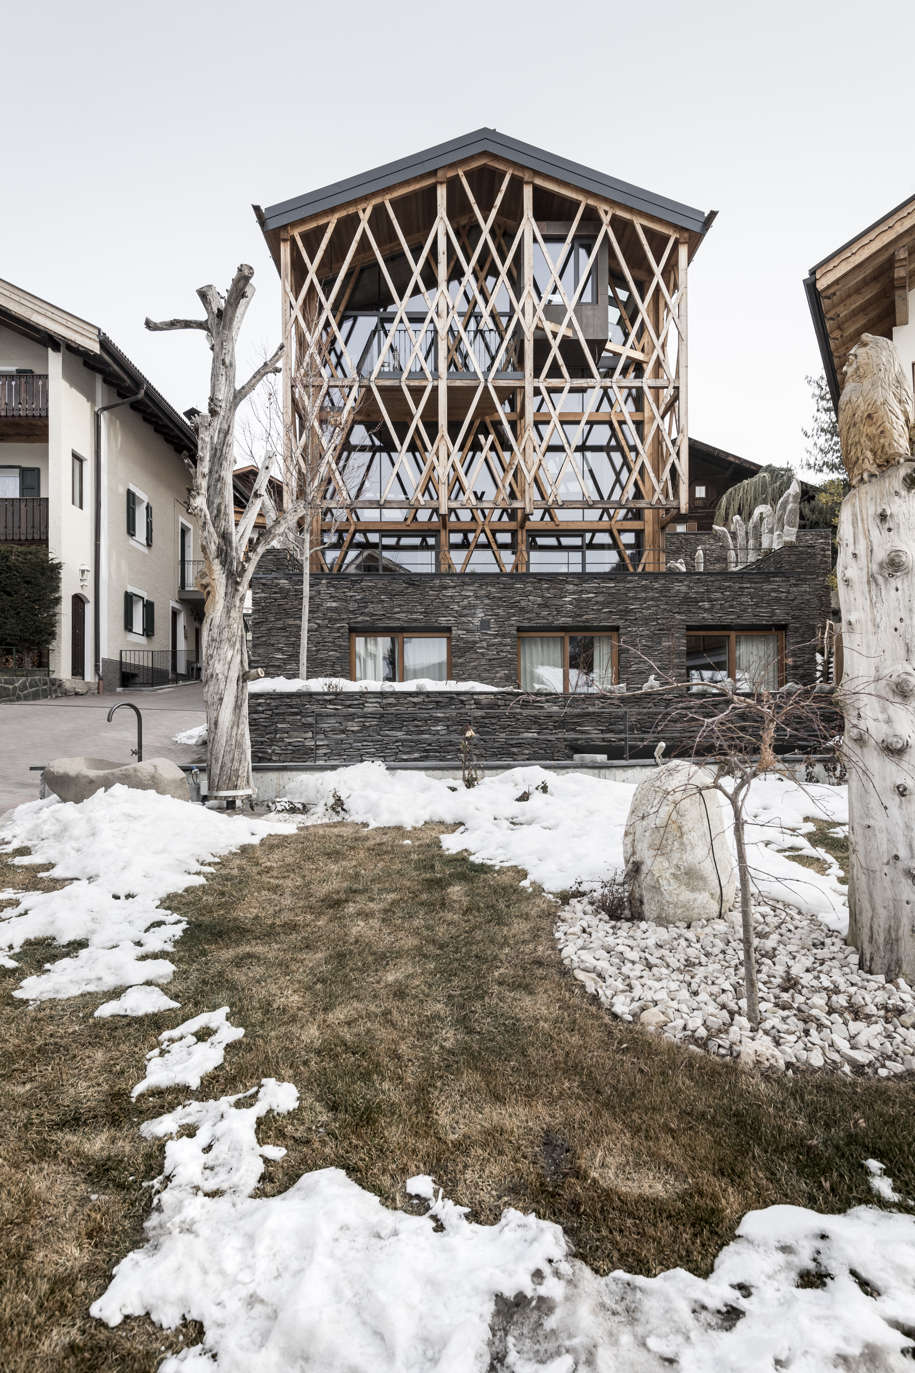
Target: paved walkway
39, 731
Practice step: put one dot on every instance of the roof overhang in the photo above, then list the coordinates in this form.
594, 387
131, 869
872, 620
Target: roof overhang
862, 288
327, 200
56, 328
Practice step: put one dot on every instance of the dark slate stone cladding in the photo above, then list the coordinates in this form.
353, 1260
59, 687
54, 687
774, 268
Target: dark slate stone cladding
483, 613
427, 727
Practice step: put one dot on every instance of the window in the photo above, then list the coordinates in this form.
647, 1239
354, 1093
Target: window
569, 274
77, 479
20, 483
139, 517
752, 659
699, 492
397, 657
576, 661
139, 614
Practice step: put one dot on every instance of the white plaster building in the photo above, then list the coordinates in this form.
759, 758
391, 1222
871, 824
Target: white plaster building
93, 465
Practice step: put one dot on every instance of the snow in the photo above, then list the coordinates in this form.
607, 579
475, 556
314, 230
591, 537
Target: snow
568, 833
323, 1276
122, 851
338, 684
182, 1058
142, 1000
881, 1185
193, 737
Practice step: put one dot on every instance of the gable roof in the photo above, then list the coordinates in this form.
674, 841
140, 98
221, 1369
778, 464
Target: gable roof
56, 328
853, 290
482, 141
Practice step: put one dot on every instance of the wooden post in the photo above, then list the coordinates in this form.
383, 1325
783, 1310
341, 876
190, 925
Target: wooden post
683, 376
653, 561
442, 463
876, 579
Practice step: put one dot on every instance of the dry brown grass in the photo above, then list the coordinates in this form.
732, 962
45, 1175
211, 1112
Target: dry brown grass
417, 1001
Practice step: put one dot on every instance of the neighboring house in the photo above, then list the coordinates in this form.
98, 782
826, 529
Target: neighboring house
93, 467
497, 339
866, 287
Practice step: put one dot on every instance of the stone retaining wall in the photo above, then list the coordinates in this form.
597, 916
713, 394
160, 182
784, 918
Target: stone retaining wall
28, 686
337, 728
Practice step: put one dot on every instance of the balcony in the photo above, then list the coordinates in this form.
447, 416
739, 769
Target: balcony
23, 405
189, 573
23, 519
408, 348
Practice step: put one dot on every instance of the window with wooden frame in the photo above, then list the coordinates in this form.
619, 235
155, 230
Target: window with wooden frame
139, 614
77, 480
569, 661
753, 659
400, 655
139, 517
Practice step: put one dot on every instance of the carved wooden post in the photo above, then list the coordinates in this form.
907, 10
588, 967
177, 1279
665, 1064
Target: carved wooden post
876, 584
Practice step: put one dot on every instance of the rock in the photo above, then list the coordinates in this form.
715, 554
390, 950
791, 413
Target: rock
678, 858
75, 779
653, 1018
815, 1058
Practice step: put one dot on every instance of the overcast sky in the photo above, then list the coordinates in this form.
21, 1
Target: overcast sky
137, 137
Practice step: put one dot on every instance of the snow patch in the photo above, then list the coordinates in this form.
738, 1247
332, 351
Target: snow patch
193, 737
122, 850
340, 684
323, 1276
142, 1000
182, 1059
880, 1183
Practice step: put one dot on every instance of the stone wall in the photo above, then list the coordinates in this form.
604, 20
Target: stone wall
28, 686
484, 612
335, 728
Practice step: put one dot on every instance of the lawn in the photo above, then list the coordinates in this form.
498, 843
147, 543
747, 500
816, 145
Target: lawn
418, 1002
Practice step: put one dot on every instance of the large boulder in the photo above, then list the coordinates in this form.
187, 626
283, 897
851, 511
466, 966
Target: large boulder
74, 779
679, 862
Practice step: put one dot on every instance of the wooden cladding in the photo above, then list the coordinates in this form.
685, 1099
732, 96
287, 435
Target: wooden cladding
480, 348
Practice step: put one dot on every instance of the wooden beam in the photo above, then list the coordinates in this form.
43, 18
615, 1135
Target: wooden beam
901, 285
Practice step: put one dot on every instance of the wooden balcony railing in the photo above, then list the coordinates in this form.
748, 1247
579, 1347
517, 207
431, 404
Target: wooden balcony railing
23, 395
23, 519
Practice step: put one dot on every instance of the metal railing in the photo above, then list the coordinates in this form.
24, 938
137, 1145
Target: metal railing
152, 667
23, 395
189, 570
411, 348
15, 658
23, 519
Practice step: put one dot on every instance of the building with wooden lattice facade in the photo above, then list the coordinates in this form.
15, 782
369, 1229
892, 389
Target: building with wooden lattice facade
486, 381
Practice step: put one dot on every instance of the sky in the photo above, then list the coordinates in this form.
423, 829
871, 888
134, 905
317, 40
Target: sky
138, 137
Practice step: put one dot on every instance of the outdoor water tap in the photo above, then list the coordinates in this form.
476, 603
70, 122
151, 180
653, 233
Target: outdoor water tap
138, 751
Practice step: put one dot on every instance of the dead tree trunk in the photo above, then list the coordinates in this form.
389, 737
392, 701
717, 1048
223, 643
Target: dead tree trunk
877, 594
230, 555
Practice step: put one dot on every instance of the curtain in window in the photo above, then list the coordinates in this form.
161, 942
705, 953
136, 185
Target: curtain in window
541, 662
9, 481
376, 659
757, 661
603, 661
425, 658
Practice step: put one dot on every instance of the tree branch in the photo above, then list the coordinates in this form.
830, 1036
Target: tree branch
265, 369
157, 324
274, 534
253, 507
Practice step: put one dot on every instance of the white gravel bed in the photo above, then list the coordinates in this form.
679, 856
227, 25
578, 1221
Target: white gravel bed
817, 1009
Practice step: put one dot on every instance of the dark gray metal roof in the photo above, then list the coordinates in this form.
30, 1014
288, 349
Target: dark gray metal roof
354, 188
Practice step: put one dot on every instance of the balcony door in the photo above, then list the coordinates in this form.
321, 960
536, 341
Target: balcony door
77, 637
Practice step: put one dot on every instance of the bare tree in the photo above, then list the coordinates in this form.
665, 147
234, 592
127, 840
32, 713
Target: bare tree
231, 549
732, 735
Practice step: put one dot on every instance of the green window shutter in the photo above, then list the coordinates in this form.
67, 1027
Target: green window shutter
128, 610
30, 482
131, 513
149, 618
148, 525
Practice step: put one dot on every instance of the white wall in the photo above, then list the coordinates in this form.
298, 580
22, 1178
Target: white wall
70, 530
904, 339
134, 455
